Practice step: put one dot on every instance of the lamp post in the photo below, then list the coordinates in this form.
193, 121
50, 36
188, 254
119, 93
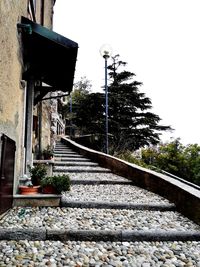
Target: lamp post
106, 52
70, 112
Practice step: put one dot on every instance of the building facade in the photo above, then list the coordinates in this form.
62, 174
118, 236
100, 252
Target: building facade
31, 58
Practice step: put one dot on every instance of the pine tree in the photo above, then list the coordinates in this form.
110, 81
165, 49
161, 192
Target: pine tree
131, 124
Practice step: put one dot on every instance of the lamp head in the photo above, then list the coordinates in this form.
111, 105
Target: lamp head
105, 51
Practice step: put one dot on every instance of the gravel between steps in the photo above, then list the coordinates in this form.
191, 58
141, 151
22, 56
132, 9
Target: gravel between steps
79, 168
94, 176
99, 254
95, 219
113, 193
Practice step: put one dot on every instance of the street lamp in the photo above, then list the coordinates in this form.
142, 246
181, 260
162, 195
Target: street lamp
106, 52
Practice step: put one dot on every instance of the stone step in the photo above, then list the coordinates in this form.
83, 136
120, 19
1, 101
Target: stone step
67, 159
42, 234
70, 155
64, 151
62, 146
76, 169
75, 163
99, 177
79, 224
112, 205
98, 182
113, 193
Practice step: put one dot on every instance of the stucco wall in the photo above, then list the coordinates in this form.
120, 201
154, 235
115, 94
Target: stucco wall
46, 123
11, 89
46, 105
48, 12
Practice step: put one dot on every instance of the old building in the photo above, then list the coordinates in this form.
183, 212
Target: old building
36, 63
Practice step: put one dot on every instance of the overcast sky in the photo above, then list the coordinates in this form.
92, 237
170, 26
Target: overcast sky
160, 41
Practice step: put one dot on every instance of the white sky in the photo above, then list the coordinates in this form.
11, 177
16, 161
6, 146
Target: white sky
160, 41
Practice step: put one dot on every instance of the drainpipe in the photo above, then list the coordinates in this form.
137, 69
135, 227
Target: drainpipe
40, 129
29, 123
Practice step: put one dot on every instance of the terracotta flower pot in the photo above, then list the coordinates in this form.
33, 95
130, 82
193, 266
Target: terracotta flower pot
29, 190
49, 189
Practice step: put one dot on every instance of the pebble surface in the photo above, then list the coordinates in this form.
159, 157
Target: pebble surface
113, 193
95, 176
96, 219
99, 254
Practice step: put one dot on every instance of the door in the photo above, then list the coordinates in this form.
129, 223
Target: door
7, 166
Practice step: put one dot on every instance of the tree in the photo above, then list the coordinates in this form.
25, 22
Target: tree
81, 91
131, 124
174, 157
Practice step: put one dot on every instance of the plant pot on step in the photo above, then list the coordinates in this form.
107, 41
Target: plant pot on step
49, 189
29, 190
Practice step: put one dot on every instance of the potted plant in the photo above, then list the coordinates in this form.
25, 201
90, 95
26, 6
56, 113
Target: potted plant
37, 173
55, 184
29, 189
26, 187
48, 152
48, 185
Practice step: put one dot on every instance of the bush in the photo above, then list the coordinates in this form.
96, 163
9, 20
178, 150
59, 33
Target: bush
59, 182
48, 152
37, 173
62, 183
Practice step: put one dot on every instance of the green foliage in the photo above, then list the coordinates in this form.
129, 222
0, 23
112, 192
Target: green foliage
59, 182
128, 156
48, 152
62, 183
173, 157
47, 180
37, 172
131, 124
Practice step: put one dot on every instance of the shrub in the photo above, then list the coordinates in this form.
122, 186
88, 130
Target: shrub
59, 182
37, 173
48, 152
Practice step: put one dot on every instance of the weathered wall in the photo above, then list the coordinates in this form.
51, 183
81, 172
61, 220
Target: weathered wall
48, 12
46, 123
46, 105
11, 89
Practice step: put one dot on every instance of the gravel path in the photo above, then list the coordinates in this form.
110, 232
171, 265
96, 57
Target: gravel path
95, 219
100, 254
80, 169
95, 176
112, 193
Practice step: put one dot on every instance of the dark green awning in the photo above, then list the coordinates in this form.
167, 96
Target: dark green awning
48, 56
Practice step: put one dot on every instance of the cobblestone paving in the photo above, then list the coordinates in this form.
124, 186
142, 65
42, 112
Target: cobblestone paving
99, 254
96, 219
112, 193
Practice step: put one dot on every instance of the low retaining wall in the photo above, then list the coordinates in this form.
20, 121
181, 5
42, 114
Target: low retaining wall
185, 197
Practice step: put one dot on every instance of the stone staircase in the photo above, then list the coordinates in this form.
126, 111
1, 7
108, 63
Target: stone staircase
104, 220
